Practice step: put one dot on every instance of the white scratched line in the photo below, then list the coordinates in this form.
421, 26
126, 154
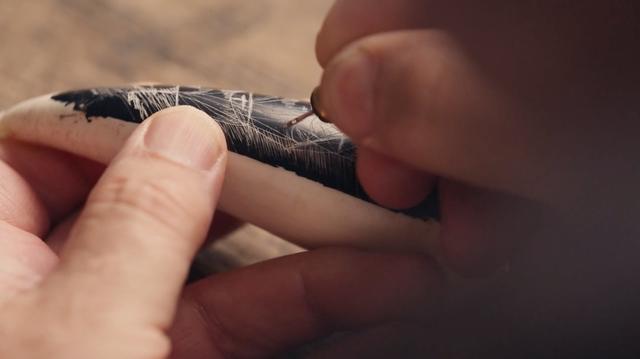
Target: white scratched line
250, 111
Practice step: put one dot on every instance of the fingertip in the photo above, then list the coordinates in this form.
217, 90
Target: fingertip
330, 39
347, 91
391, 183
190, 112
321, 51
59, 180
348, 21
185, 135
417, 96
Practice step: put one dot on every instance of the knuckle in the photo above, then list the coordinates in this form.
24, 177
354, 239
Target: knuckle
146, 195
158, 199
226, 343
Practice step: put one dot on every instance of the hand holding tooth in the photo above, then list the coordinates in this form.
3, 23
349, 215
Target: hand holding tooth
111, 284
297, 182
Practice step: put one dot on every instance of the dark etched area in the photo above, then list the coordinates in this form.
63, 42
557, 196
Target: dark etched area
254, 125
99, 106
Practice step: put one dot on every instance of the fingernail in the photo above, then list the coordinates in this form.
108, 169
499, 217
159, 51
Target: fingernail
185, 135
348, 93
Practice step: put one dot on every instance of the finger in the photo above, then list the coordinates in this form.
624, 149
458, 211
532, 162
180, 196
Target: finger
58, 182
349, 20
19, 204
35, 184
390, 183
132, 245
416, 97
259, 311
221, 225
24, 260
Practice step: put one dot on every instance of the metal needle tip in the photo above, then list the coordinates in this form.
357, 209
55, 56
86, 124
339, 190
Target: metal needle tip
299, 119
316, 109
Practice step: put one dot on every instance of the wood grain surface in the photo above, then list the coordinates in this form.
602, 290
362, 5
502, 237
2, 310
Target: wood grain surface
266, 46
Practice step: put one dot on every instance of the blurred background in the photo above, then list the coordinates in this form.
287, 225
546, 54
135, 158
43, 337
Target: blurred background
264, 46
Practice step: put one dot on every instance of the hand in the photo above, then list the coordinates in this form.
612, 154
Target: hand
525, 113
109, 282
527, 99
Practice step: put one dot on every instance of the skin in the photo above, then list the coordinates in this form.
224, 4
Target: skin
521, 112
107, 282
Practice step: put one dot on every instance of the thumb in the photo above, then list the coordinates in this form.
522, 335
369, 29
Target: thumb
416, 97
130, 250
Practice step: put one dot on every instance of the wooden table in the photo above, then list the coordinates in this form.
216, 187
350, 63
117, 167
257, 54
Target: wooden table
265, 46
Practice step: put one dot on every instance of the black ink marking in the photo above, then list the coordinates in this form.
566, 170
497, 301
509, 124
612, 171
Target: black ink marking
255, 126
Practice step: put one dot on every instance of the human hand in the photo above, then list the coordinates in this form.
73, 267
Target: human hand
109, 283
516, 106
526, 113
